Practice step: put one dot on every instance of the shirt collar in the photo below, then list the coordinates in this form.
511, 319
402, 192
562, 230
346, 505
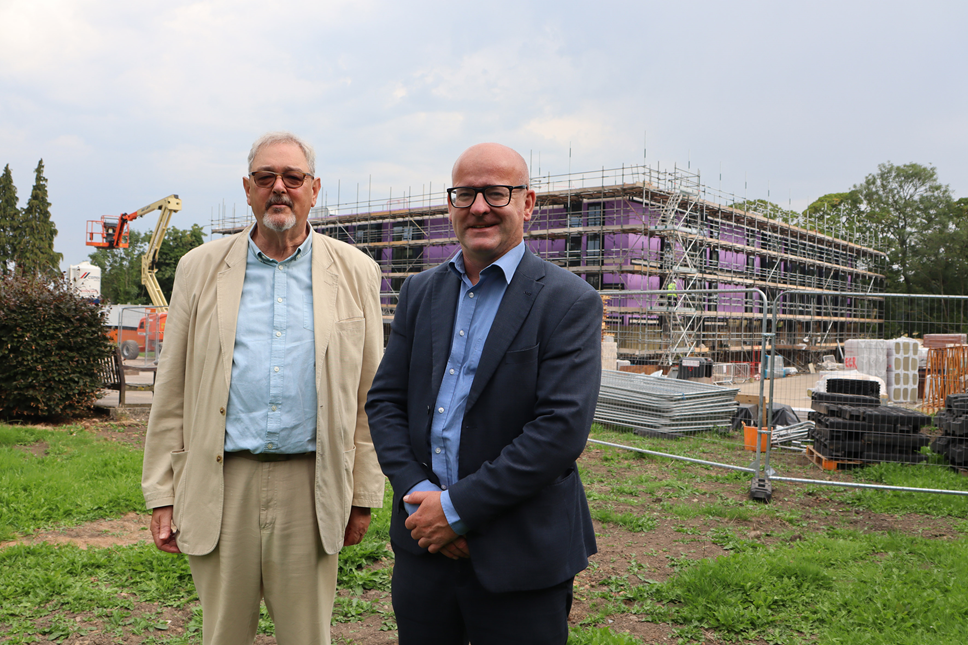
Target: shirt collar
507, 263
304, 250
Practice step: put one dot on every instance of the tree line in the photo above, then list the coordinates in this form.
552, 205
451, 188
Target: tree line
904, 211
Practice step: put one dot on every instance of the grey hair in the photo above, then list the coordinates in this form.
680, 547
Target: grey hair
284, 137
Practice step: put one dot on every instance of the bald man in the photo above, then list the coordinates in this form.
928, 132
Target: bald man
480, 407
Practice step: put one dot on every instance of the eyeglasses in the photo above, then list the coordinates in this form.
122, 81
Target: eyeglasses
495, 196
291, 178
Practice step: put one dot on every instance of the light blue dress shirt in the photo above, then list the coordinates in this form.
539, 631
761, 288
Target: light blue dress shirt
272, 397
476, 309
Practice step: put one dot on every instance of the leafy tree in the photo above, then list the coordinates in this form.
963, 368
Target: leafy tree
36, 234
942, 266
177, 243
121, 271
911, 212
837, 215
121, 268
767, 209
9, 221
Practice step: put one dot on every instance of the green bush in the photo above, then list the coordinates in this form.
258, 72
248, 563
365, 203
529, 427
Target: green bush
51, 341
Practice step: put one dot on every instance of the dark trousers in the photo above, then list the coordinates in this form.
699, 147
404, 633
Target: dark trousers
439, 601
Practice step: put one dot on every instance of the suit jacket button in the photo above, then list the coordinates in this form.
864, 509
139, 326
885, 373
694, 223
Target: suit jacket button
218, 458
221, 411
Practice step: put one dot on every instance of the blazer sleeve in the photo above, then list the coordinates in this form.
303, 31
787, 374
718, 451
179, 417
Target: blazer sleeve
165, 434
387, 403
367, 479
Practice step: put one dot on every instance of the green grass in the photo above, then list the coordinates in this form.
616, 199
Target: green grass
80, 479
599, 636
916, 476
842, 587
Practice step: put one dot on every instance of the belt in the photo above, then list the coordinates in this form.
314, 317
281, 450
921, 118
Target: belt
264, 456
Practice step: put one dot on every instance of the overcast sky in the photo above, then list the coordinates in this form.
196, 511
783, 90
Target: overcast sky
128, 102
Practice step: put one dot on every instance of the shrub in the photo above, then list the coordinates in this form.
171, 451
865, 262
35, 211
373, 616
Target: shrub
51, 341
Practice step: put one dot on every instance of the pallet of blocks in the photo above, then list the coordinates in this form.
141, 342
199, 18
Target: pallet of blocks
953, 423
851, 424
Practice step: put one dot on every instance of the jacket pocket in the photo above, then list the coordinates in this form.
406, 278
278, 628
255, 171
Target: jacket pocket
528, 355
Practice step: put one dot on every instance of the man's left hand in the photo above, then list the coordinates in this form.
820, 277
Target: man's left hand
428, 524
356, 527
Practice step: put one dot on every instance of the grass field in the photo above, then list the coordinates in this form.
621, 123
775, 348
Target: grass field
684, 556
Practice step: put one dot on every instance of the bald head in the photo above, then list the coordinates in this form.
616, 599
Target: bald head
493, 157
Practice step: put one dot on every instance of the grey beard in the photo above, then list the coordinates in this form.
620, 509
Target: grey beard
282, 227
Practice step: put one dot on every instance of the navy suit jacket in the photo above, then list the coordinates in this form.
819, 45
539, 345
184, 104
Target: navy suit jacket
526, 420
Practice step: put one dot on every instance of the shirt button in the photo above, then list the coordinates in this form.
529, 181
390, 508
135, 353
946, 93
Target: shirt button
280, 267
275, 369
269, 446
437, 450
461, 332
278, 333
452, 370
278, 299
470, 295
273, 408
441, 410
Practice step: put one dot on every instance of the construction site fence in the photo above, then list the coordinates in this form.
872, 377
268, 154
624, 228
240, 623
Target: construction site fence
780, 352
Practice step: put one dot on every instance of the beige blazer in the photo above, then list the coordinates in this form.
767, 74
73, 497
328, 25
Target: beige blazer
186, 430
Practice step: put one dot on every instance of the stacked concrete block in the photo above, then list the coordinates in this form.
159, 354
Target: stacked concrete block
953, 423
902, 370
609, 353
851, 424
867, 356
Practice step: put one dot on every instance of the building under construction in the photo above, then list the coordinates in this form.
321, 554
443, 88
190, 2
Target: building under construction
634, 230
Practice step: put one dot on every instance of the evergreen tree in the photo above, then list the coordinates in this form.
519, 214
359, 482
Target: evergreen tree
37, 256
9, 222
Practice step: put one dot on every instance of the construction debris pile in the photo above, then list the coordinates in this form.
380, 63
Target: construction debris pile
953, 422
653, 405
851, 424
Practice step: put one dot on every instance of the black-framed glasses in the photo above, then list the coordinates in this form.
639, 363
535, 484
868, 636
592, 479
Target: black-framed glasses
291, 178
495, 196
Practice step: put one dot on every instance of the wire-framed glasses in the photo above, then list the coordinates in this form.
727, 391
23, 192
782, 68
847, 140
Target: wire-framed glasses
291, 178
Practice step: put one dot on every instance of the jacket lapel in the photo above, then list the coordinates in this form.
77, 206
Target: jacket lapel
228, 290
514, 309
325, 290
443, 307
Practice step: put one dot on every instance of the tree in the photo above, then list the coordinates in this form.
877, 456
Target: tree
767, 209
911, 211
837, 215
36, 234
121, 271
942, 266
9, 221
121, 268
177, 243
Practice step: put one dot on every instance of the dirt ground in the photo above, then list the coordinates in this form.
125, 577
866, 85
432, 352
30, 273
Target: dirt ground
653, 554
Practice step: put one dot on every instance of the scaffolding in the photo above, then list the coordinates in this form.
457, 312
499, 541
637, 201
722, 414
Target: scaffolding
640, 228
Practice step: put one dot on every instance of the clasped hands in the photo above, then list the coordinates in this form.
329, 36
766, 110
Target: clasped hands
429, 526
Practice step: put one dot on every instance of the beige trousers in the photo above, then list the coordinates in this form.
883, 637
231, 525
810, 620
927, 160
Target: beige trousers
269, 547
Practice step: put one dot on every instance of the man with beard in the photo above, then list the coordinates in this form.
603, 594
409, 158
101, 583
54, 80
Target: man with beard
258, 459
